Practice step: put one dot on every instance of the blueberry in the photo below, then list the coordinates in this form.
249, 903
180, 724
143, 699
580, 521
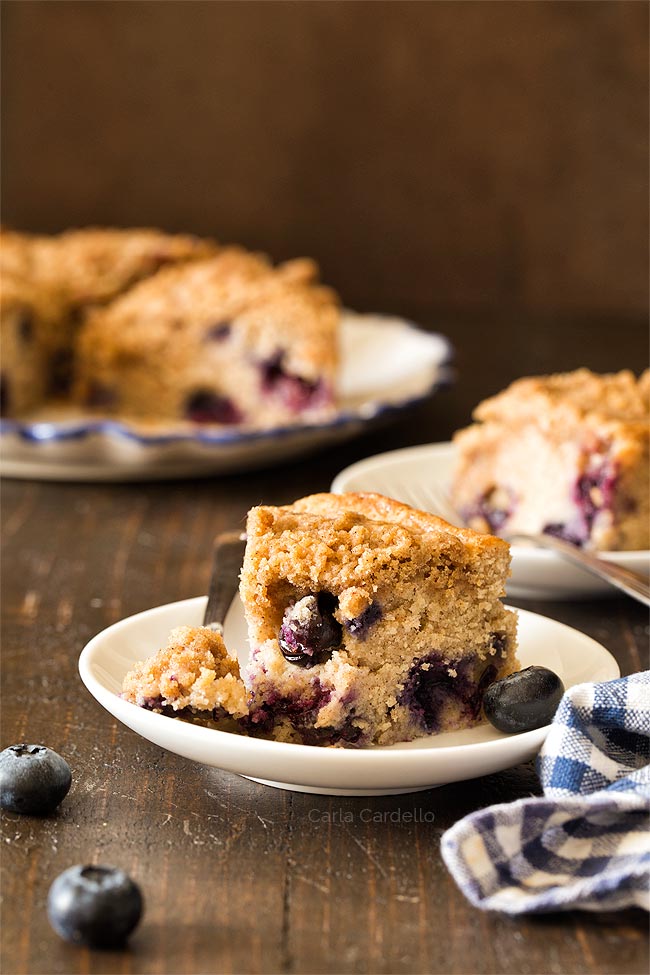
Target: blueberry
309, 631
474, 699
524, 700
152, 703
429, 687
33, 779
61, 364
592, 492
205, 406
4, 395
360, 625
98, 395
573, 532
348, 733
25, 326
295, 392
499, 641
494, 507
272, 372
218, 332
94, 906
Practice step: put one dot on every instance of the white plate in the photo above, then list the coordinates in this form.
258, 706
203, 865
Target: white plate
406, 475
409, 767
387, 365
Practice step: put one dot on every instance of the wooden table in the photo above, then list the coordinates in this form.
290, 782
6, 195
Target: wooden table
239, 877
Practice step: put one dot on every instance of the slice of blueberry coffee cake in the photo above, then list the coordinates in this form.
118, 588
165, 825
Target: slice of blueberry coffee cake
229, 340
192, 675
370, 622
565, 455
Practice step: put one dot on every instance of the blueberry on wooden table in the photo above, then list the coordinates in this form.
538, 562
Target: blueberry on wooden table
33, 779
523, 701
94, 906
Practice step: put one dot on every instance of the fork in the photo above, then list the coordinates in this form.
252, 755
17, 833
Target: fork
435, 499
226, 562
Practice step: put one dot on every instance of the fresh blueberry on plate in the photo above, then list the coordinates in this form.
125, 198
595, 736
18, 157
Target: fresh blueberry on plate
523, 701
94, 906
33, 779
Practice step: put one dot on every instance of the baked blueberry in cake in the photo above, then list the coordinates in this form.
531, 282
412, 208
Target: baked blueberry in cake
565, 455
228, 340
369, 623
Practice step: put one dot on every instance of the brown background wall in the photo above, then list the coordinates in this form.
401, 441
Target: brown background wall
439, 155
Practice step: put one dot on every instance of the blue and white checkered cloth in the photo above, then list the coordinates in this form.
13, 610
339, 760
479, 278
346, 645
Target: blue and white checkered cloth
584, 844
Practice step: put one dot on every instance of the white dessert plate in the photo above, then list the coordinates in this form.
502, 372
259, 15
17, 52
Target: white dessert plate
387, 365
409, 767
408, 475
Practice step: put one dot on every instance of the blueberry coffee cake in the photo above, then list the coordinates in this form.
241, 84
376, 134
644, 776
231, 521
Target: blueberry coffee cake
369, 623
155, 326
54, 281
565, 455
228, 340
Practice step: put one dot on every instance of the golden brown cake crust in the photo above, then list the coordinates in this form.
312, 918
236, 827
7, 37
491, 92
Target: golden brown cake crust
352, 544
93, 265
615, 398
16, 253
378, 507
342, 541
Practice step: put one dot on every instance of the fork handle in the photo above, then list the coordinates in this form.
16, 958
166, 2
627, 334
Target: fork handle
632, 583
227, 561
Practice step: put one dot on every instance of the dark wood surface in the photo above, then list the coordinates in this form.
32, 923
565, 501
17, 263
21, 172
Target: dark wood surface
478, 154
239, 877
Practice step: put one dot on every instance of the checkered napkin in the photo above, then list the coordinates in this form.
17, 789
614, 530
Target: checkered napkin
585, 843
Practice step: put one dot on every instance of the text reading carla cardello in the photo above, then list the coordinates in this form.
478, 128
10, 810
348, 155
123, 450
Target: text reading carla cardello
335, 816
